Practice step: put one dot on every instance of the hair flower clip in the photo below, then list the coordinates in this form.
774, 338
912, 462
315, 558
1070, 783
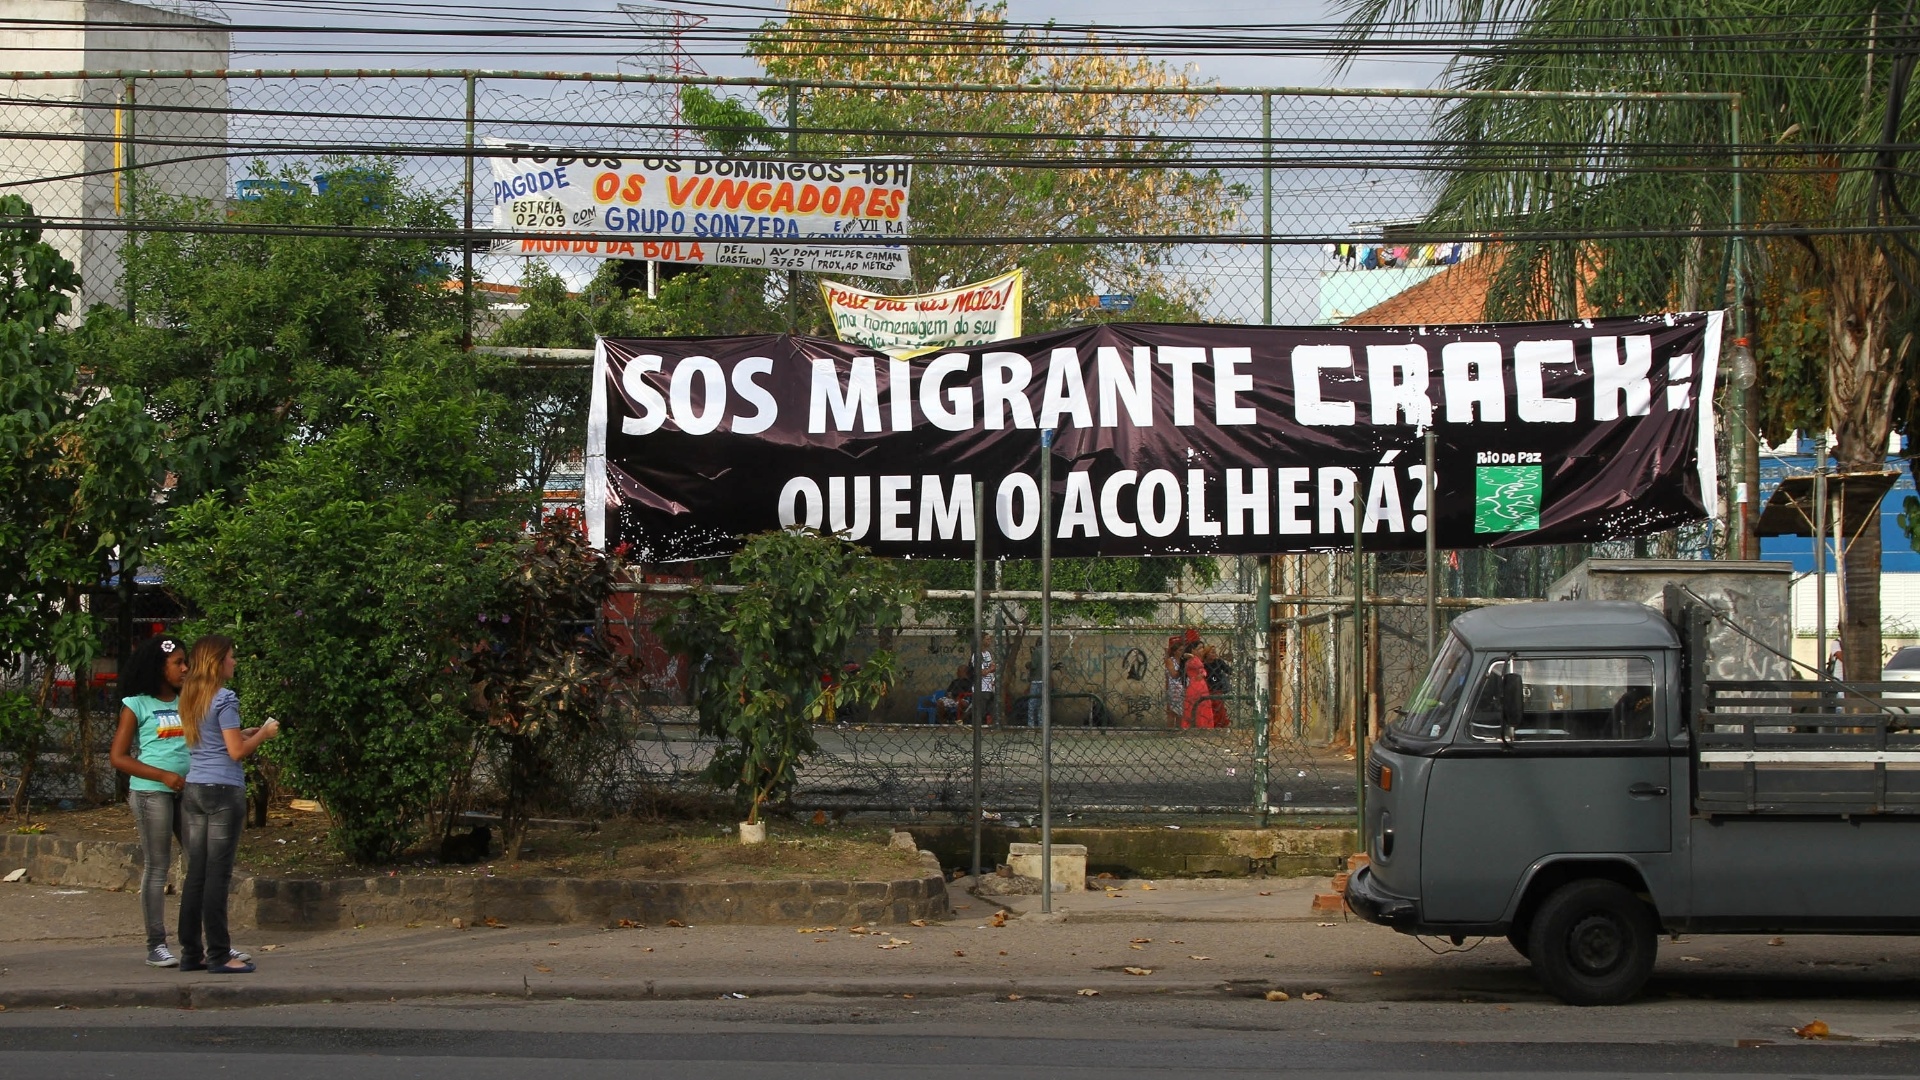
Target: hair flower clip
167, 646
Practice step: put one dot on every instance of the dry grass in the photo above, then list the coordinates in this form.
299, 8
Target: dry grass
294, 844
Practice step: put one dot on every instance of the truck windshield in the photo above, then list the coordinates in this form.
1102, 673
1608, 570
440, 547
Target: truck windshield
1432, 703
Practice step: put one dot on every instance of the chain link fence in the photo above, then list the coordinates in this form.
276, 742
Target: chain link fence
1230, 205
1124, 739
1277, 206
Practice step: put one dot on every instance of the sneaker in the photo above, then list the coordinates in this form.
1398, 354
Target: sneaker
161, 956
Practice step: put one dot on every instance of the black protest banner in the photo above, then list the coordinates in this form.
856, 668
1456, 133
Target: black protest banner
1184, 439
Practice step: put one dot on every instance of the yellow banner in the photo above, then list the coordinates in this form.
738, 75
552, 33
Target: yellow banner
908, 326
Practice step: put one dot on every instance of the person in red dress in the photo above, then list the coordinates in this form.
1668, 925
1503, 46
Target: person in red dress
1198, 712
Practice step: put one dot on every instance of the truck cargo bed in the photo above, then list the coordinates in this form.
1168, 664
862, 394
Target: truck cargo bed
1799, 747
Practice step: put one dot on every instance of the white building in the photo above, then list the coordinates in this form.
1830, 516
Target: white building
81, 134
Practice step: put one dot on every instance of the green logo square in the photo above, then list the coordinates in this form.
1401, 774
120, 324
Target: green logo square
1506, 498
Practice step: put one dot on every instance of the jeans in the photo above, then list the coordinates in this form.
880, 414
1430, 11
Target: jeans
157, 813
211, 833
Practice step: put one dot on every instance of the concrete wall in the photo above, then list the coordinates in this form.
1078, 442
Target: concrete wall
80, 124
1752, 595
1123, 667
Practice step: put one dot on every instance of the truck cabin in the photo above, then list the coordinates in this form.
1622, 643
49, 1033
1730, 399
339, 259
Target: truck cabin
1572, 671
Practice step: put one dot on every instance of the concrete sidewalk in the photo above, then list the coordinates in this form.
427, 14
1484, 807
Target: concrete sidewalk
81, 948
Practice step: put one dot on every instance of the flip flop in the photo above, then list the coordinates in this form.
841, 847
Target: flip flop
225, 969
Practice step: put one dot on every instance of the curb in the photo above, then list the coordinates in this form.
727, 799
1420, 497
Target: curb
213, 992
239, 992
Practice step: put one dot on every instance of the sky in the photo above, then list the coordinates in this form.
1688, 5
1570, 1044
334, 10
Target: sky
1312, 203
308, 49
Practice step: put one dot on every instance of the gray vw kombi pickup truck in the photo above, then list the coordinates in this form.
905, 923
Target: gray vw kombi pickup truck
1568, 778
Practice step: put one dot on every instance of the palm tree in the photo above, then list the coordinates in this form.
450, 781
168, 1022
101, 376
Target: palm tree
1633, 195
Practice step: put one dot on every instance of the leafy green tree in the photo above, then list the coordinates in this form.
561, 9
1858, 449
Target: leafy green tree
770, 658
1107, 192
243, 342
78, 464
1829, 130
354, 574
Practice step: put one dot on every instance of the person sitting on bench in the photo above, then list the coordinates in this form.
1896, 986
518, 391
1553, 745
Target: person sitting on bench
950, 705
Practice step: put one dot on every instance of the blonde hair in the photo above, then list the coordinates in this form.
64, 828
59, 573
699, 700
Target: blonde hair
204, 679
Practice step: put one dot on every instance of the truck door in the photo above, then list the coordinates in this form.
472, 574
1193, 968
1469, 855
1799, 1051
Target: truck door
1584, 771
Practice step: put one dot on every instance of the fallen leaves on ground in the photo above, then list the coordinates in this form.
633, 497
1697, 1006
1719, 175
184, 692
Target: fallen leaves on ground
999, 918
1777, 941
543, 969
1379, 973
1141, 940
1015, 997
630, 924
1147, 886
1197, 956
271, 948
1088, 993
1142, 948
492, 923
818, 930
959, 952
1326, 924
1691, 959
1137, 970
919, 922
894, 943
1277, 995
1311, 996
1266, 893
458, 925
1816, 1030
676, 923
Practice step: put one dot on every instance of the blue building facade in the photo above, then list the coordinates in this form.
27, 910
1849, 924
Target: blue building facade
1898, 555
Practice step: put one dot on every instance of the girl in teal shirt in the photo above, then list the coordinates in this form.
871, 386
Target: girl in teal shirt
151, 748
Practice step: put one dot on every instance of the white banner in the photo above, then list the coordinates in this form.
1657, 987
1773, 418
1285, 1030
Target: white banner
726, 212
908, 326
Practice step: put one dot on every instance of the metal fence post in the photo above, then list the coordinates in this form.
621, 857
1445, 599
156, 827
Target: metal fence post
1046, 671
1433, 570
466, 241
131, 177
1263, 685
1266, 208
979, 655
1359, 694
793, 148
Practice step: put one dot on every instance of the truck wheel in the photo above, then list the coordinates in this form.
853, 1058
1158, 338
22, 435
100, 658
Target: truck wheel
1593, 943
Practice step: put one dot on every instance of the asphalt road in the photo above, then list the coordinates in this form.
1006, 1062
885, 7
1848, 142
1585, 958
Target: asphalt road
822, 1038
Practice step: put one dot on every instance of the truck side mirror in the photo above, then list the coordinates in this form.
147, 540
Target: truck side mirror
1513, 697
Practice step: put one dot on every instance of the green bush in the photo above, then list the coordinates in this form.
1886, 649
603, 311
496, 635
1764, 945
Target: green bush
352, 574
770, 657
